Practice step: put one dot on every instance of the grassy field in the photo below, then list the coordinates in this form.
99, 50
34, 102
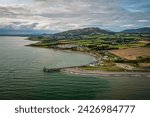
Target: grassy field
106, 66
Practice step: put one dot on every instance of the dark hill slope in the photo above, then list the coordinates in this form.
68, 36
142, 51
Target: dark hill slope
145, 30
80, 33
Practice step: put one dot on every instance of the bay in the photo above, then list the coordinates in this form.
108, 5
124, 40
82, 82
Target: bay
21, 76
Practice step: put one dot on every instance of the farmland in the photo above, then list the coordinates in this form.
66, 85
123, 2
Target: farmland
131, 53
115, 52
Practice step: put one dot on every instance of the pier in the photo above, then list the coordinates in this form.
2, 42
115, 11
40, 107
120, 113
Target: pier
60, 68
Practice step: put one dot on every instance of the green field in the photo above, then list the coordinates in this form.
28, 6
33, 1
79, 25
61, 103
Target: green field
100, 45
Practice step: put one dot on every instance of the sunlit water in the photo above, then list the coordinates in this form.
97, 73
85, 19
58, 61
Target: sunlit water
21, 76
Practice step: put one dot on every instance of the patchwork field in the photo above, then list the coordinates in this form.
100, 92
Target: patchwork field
131, 53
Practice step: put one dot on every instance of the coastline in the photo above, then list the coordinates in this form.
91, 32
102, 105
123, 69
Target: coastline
81, 71
68, 50
78, 71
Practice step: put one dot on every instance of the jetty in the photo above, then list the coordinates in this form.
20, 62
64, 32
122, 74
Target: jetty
57, 69
61, 68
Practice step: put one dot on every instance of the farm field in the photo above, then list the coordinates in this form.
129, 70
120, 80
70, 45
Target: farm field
131, 53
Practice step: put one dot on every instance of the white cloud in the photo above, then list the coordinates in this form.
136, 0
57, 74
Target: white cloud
142, 20
59, 15
128, 25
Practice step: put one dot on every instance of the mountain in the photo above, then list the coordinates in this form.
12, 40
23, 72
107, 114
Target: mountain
80, 33
20, 32
144, 30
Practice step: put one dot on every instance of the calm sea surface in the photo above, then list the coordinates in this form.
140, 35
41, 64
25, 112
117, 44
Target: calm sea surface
21, 76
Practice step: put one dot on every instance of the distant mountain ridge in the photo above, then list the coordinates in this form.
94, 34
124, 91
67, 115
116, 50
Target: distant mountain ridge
71, 34
82, 33
20, 32
144, 30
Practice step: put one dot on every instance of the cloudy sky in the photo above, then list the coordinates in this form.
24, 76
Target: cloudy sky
59, 15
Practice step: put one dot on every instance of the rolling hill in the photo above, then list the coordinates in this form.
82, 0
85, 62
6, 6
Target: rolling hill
80, 33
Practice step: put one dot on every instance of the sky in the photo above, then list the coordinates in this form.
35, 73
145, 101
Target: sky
60, 15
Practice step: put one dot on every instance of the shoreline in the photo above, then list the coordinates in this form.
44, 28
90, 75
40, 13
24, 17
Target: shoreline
78, 71
67, 50
95, 57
